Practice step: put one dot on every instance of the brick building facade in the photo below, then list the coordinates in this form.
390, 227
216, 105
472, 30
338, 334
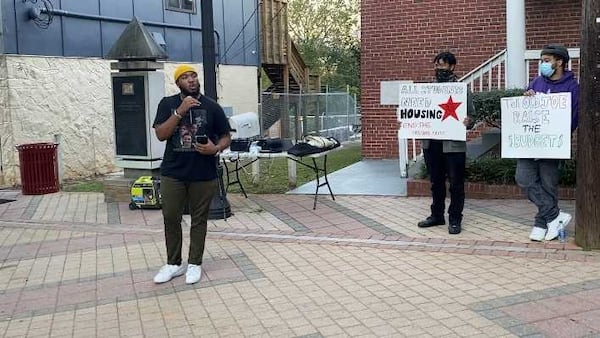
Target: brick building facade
399, 39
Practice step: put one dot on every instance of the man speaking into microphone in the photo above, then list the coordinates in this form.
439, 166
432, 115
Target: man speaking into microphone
188, 175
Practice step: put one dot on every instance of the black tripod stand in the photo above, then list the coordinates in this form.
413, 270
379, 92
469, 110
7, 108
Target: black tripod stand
219, 206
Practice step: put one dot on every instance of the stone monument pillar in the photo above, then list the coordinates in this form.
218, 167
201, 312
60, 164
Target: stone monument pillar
137, 88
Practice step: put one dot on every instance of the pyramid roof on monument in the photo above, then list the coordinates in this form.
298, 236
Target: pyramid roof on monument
136, 43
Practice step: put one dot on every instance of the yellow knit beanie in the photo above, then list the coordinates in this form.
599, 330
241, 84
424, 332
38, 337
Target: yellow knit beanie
183, 69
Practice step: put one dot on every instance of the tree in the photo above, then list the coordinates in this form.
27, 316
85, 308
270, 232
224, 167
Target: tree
587, 228
327, 34
327, 22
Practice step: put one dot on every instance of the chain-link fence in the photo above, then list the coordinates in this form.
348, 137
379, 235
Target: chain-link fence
292, 116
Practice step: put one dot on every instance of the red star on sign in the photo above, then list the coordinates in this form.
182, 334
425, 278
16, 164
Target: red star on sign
450, 109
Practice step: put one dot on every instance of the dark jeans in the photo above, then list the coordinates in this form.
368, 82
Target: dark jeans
175, 194
439, 166
539, 179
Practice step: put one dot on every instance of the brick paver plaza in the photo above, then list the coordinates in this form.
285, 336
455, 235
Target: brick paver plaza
75, 266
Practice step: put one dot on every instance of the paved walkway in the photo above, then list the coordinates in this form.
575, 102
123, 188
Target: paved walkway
74, 266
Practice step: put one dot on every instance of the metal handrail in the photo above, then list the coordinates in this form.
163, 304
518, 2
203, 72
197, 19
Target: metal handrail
500, 57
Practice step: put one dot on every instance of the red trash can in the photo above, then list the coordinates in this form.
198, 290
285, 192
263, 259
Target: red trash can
39, 168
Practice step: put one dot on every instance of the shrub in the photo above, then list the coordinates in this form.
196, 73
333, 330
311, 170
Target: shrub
487, 105
567, 172
491, 170
502, 171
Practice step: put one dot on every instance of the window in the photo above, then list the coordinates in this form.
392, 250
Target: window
188, 6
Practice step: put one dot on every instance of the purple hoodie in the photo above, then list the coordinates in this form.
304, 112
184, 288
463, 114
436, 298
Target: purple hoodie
566, 84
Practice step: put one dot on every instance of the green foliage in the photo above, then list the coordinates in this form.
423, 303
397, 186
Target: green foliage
326, 34
422, 173
492, 171
502, 171
327, 22
567, 172
487, 105
338, 66
265, 82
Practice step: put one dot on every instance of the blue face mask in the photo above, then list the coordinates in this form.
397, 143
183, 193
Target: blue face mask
546, 69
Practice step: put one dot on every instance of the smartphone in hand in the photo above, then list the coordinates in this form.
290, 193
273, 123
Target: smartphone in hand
201, 139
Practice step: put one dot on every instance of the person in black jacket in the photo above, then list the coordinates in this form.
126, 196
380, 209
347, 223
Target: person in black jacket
446, 158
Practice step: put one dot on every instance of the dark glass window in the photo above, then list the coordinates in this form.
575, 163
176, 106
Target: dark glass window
188, 6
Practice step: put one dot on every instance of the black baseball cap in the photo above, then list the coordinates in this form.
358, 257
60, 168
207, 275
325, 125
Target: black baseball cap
556, 50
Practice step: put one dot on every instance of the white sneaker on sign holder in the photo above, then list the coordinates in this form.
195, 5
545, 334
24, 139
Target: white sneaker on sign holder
537, 234
554, 226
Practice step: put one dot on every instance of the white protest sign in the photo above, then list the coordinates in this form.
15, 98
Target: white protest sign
433, 111
389, 95
389, 91
536, 126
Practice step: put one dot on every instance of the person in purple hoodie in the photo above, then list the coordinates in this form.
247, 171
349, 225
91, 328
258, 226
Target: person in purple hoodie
539, 177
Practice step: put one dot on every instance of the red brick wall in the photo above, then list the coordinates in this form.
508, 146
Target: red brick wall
556, 21
401, 37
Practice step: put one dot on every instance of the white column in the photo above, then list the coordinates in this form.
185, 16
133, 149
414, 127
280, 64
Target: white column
516, 75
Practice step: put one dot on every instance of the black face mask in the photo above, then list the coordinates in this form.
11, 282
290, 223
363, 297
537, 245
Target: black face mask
444, 75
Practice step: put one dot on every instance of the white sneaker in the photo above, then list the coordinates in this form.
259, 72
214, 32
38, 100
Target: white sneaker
537, 234
193, 274
554, 226
167, 272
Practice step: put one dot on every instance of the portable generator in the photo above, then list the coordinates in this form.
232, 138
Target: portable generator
145, 193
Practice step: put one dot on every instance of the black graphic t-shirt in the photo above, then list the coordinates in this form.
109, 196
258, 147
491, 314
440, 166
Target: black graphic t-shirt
181, 160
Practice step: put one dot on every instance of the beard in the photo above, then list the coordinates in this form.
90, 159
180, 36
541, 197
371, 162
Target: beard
194, 93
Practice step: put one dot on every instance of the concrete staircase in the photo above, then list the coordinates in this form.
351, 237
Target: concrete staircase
280, 58
481, 145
